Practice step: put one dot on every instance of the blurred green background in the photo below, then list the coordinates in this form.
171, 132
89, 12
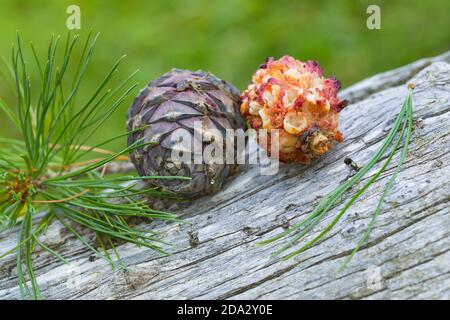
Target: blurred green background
231, 38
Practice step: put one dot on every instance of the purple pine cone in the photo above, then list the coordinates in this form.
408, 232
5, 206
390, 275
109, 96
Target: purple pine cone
172, 106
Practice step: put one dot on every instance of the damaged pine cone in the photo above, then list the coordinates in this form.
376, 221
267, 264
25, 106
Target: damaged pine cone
295, 98
196, 106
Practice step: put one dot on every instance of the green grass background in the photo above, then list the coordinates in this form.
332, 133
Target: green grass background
232, 37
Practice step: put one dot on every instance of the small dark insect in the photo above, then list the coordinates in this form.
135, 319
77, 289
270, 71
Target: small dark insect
352, 164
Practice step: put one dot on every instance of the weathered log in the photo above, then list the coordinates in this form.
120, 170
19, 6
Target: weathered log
215, 256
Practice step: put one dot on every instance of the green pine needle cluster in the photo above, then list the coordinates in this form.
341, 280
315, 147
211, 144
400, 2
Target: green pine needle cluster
51, 174
401, 131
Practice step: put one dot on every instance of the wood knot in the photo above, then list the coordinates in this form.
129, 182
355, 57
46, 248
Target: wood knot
193, 239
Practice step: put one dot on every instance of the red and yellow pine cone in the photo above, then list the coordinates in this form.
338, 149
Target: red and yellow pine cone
295, 98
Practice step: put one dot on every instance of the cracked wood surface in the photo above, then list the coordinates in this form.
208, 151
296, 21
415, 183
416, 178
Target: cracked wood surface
407, 255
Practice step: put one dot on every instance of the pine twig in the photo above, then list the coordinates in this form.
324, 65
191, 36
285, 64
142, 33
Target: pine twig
51, 169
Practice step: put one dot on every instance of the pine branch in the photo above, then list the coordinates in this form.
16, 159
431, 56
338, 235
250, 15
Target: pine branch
52, 170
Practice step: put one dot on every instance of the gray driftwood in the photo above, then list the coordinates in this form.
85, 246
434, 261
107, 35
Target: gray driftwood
407, 256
